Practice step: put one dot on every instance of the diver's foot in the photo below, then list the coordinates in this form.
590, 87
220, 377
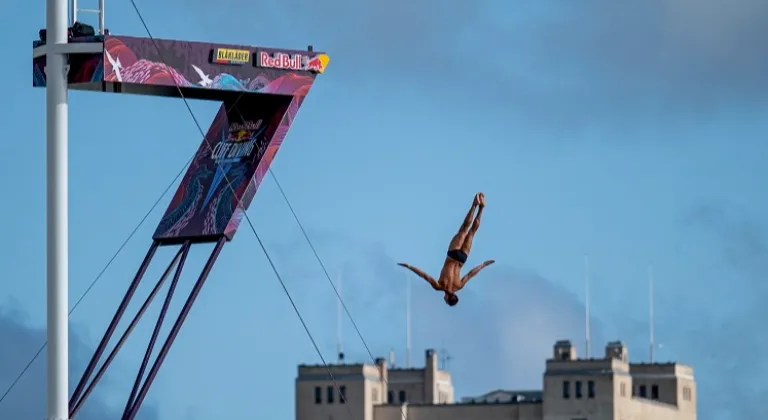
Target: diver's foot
480, 197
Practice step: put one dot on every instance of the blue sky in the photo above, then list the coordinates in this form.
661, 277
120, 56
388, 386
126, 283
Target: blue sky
631, 133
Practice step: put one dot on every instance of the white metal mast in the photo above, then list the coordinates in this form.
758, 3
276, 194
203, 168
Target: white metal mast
408, 322
587, 302
57, 216
339, 321
59, 15
651, 346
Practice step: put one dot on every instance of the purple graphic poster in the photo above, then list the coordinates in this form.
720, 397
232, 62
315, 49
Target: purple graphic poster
168, 63
227, 169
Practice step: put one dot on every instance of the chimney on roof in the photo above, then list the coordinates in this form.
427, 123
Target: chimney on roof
616, 350
381, 363
564, 350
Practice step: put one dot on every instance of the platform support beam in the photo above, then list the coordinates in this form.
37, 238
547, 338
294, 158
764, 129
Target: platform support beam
140, 393
178, 263
141, 385
113, 323
57, 216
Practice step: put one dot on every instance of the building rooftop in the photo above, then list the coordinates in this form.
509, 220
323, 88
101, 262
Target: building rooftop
605, 387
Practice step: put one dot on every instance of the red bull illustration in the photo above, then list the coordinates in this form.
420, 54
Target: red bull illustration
213, 192
237, 142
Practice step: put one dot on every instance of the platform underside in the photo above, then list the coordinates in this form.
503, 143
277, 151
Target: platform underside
163, 91
168, 68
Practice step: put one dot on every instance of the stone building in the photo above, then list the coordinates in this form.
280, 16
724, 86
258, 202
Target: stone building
604, 388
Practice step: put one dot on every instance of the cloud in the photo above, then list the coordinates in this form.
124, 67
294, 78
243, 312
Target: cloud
508, 319
568, 63
691, 47
27, 400
504, 328
498, 336
727, 346
740, 238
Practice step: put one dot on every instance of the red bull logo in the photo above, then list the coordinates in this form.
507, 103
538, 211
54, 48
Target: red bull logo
239, 143
315, 64
239, 136
298, 62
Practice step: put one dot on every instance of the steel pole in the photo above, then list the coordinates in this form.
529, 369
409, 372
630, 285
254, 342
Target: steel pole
57, 122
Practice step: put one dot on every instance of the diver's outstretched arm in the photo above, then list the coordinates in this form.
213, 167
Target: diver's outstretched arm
472, 273
423, 275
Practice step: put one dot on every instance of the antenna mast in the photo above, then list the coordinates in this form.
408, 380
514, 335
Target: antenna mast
651, 346
446, 358
587, 331
339, 334
408, 322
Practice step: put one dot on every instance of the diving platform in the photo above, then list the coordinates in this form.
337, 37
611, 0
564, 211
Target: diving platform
260, 90
196, 70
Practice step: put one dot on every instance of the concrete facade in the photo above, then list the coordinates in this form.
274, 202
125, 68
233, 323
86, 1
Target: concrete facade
607, 388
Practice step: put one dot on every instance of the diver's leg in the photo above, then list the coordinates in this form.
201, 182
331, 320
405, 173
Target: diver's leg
466, 246
470, 214
460, 236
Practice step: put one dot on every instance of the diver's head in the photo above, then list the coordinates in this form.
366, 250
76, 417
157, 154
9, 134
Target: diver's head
451, 299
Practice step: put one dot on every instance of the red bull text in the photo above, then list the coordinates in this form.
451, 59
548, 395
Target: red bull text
285, 61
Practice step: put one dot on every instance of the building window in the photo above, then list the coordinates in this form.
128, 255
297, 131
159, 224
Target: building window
687, 394
401, 396
578, 389
655, 392
318, 395
330, 395
642, 391
566, 389
390, 397
375, 395
343, 394
590, 389
623, 389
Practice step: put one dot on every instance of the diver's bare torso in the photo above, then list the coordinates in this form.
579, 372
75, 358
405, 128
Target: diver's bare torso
450, 276
450, 280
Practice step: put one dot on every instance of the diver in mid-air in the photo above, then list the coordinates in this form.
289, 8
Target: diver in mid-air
450, 280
